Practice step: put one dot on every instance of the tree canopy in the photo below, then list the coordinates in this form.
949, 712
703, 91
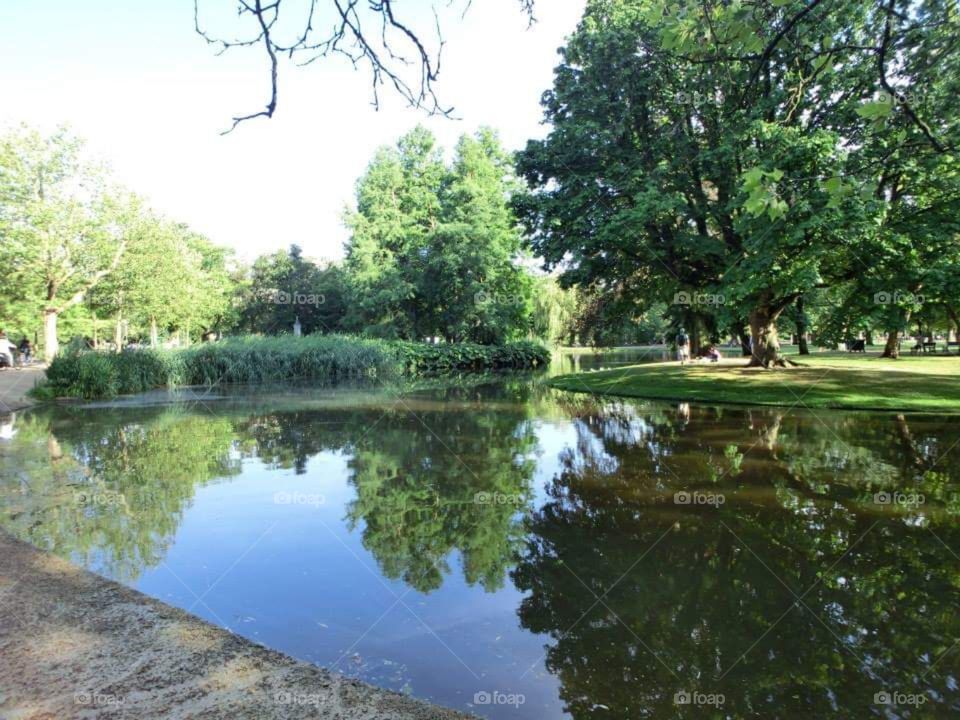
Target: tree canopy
748, 153
434, 249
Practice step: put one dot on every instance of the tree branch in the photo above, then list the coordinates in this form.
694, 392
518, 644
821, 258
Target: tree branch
350, 37
881, 63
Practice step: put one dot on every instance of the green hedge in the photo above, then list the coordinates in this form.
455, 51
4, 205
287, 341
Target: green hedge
420, 357
92, 374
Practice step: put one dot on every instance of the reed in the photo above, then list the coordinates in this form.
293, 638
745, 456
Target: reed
254, 359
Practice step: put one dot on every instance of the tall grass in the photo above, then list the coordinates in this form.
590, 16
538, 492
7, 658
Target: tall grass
92, 374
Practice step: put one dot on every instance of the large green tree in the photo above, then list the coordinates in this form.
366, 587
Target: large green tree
434, 250
61, 232
747, 151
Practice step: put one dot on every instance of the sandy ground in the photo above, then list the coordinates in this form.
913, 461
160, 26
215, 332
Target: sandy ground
74, 645
14, 384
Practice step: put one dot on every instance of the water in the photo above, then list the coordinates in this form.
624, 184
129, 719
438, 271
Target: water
490, 539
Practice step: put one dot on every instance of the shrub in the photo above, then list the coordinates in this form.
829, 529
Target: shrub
91, 374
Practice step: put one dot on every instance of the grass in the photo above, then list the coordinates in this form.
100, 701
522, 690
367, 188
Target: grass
820, 380
324, 358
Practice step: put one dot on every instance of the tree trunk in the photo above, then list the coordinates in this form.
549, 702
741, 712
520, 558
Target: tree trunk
153, 332
892, 348
869, 337
744, 337
118, 334
801, 328
694, 338
51, 345
766, 344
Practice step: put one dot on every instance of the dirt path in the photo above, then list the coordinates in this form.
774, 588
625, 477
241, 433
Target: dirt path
74, 645
14, 384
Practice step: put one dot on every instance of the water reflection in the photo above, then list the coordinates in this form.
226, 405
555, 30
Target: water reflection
796, 564
796, 597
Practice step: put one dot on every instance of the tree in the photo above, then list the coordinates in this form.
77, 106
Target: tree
62, 234
555, 311
433, 250
206, 299
471, 282
398, 204
169, 277
147, 280
748, 152
285, 287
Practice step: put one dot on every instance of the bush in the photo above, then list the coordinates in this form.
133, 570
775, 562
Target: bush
419, 357
92, 374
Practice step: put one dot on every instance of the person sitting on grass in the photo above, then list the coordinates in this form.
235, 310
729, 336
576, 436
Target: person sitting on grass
713, 352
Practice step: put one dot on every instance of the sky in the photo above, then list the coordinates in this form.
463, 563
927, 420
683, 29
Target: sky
150, 97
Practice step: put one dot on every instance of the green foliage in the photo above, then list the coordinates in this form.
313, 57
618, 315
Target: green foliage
751, 150
421, 357
60, 228
284, 287
433, 249
80, 251
327, 358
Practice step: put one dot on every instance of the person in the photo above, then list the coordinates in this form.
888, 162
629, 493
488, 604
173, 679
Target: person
683, 346
26, 350
7, 349
713, 352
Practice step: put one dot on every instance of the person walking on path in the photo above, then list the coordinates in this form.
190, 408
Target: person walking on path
683, 346
26, 351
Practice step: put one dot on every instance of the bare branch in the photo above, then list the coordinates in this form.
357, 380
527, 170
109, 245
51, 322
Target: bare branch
390, 54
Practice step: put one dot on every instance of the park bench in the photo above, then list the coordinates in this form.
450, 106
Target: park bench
924, 347
857, 345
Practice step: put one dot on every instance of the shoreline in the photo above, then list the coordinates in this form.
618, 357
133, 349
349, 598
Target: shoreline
76, 645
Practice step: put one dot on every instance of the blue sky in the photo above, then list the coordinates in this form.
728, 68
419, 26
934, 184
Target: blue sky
150, 97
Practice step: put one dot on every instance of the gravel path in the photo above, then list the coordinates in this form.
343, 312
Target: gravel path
14, 384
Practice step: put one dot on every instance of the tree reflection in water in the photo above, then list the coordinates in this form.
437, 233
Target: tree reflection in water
799, 596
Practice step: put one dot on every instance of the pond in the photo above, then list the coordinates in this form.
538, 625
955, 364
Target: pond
517, 552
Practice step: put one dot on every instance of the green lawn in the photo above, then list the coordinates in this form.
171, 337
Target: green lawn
821, 380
